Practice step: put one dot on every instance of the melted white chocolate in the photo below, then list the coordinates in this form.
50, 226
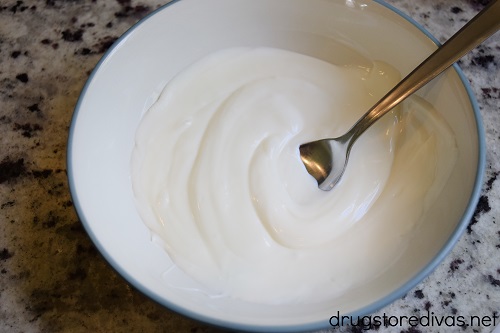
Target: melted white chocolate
217, 174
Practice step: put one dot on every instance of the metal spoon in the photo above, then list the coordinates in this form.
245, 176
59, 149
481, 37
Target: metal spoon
326, 159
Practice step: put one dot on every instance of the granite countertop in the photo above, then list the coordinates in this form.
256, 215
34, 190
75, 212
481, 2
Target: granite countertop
51, 277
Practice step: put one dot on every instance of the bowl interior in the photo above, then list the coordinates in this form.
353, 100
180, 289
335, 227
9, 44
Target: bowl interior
129, 79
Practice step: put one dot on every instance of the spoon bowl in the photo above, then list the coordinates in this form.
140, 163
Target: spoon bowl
321, 158
327, 159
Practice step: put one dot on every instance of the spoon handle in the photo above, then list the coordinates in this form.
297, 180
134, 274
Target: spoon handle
482, 26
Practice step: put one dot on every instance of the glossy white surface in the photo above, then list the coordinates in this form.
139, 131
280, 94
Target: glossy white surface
218, 177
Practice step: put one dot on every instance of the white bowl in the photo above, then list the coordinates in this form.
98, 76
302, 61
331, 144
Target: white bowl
130, 77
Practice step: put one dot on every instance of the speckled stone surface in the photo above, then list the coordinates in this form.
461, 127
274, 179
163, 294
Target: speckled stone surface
51, 277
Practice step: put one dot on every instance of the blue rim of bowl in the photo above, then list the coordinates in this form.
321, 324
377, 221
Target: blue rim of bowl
367, 310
